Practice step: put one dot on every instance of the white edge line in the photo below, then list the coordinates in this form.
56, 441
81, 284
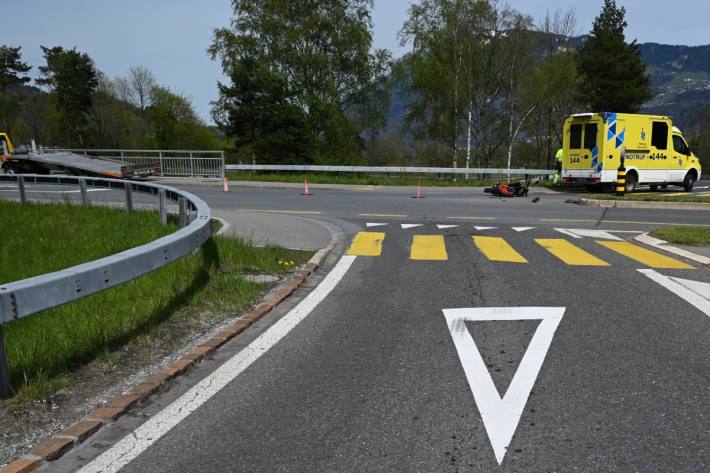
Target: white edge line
567, 232
133, 444
678, 289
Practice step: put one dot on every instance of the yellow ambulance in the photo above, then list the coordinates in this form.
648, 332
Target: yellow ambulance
655, 152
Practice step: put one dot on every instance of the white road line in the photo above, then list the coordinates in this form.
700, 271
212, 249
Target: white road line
406, 226
523, 229
485, 228
501, 415
446, 227
152, 430
601, 234
694, 292
376, 224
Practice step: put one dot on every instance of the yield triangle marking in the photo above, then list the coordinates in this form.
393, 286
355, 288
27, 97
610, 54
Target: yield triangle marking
567, 232
601, 234
694, 292
376, 224
501, 415
444, 227
522, 229
411, 225
485, 228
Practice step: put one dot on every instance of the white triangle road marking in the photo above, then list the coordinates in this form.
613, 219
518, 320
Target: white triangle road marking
444, 227
694, 292
485, 228
501, 415
522, 229
601, 234
411, 225
376, 224
567, 232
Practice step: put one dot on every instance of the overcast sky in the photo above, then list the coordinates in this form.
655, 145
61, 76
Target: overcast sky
170, 36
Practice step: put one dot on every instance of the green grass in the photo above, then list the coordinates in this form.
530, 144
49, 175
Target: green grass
694, 236
652, 197
44, 347
365, 179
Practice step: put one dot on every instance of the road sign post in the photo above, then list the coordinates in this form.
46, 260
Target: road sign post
21, 187
5, 387
129, 197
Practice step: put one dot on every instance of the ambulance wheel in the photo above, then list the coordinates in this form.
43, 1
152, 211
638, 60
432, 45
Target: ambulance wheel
630, 182
653, 187
688, 182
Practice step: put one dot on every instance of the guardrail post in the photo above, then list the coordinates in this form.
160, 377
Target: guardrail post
129, 197
21, 187
160, 160
163, 207
5, 387
192, 167
223, 170
84, 193
182, 212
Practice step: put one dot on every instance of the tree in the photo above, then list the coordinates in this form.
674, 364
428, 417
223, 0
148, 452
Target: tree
12, 73
316, 58
612, 74
466, 65
175, 125
142, 81
71, 79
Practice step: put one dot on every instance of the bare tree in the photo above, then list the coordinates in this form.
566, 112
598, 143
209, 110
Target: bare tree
123, 91
142, 82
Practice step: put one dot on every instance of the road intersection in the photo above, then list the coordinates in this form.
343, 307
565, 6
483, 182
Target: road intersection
453, 333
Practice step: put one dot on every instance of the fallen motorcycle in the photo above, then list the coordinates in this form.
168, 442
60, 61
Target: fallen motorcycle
515, 189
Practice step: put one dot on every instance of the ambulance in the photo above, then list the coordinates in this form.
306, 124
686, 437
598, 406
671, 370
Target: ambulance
655, 152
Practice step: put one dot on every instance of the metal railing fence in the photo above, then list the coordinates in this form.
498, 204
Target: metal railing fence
390, 169
173, 163
24, 298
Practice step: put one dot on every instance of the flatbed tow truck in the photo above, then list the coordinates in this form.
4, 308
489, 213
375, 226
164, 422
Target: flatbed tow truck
32, 161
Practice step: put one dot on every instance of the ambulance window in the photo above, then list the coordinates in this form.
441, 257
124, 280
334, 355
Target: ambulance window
590, 136
659, 135
679, 146
575, 139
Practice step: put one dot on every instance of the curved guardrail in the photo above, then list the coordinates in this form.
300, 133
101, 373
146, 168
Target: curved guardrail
26, 297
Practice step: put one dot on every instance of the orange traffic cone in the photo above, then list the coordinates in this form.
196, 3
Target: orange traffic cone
306, 192
226, 187
419, 191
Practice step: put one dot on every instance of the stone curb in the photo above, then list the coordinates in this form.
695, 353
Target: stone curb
56, 446
647, 239
641, 204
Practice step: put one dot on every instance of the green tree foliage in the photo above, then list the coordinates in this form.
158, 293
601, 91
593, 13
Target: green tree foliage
467, 62
175, 125
612, 75
12, 73
72, 79
300, 72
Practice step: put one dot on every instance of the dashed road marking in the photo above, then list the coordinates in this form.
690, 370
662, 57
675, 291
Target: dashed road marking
367, 244
569, 253
428, 248
497, 249
407, 226
644, 256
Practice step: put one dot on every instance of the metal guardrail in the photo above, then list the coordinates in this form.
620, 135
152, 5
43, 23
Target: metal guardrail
184, 163
27, 297
389, 169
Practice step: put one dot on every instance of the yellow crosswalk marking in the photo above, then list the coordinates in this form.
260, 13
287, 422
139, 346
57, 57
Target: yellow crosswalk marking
497, 249
569, 253
644, 256
429, 248
367, 244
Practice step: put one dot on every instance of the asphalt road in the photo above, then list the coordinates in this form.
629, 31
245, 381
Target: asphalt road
563, 355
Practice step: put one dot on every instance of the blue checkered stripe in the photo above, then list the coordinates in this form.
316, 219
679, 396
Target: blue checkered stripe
616, 134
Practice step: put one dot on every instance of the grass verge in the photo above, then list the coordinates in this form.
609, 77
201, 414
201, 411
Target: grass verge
365, 179
694, 236
653, 197
42, 349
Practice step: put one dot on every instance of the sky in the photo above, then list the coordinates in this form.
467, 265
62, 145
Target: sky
170, 37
